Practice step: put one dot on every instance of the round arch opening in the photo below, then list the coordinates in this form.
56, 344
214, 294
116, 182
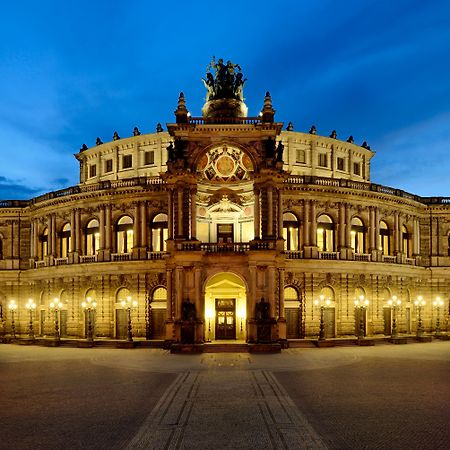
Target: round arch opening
225, 307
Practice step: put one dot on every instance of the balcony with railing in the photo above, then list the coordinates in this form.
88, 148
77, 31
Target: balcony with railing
329, 255
365, 257
121, 256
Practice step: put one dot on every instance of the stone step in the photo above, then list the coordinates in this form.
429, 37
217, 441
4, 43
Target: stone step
225, 348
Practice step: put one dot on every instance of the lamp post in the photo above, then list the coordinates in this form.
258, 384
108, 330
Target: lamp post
128, 304
360, 305
89, 308
55, 306
419, 303
12, 306
395, 304
322, 303
437, 305
31, 306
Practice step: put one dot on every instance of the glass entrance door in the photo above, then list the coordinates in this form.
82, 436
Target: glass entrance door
225, 319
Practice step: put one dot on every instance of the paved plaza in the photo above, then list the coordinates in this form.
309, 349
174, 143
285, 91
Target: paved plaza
382, 397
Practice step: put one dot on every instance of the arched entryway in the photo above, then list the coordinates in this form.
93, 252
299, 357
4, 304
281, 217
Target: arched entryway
225, 307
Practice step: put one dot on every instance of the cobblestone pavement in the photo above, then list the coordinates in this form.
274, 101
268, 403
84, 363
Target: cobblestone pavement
380, 397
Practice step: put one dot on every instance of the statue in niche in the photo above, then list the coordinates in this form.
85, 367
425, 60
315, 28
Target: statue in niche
270, 148
188, 312
262, 310
171, 152
280, 150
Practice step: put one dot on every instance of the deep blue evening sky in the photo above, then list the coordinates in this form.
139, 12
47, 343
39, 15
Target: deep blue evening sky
71, 71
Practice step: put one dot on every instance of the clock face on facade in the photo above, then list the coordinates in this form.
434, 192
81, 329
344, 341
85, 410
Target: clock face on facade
225, 164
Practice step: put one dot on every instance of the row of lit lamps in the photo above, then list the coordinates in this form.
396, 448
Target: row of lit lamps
88, 305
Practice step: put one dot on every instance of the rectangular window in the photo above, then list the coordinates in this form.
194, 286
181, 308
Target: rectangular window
322, 159
300, 156
340, 164
108, 165
356, 169
149, 158
92, 170
127, 161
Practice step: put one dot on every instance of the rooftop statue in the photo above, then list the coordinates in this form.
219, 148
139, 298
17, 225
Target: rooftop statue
224, 84
227, 82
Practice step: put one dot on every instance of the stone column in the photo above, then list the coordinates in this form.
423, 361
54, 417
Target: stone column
78, 229
180, 212
415, 237
136, 225
348, 227
372, 229
313, 238
170, 214
102, 227
193, 214
36, 239
269, 211
377, 229
49, 235
108, 241
281, 292
306, 223
144, 226
257, 214
395, 234
169, 311
73, 234
341, 243
280, 214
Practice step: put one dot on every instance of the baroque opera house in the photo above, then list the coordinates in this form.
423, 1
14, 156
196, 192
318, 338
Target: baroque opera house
222, 227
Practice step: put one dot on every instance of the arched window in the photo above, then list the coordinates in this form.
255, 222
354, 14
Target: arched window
358, 235
65, 239
159, 233
290, 232
92, 237
159, 295
124, 234
44, 243
325, 233
405, 241
385, 241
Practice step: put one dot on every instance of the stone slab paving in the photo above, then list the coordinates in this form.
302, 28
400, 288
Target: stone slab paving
229, 409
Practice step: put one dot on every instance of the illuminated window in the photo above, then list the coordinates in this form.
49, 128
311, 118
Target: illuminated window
385, 241
405, 241
92, 237
290, 232
325, 233
323, 160
65, 241
127, 161
44, 243
159, 232
124, 234
358, 235
160, 294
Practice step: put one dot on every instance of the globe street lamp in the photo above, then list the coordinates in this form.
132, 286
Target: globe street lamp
361, 305
31, 306
128, 304
395, 304
419, 303
437, 305
55, 306
89, 307
13, 307
322, 303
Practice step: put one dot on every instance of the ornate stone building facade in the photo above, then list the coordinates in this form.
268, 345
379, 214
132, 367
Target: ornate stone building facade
226, 213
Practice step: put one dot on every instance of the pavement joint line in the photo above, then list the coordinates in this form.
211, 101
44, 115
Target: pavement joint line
187, 408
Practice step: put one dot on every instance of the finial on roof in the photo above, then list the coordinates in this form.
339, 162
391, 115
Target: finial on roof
98, 141
313, 130
267, 113
116, 136
136, 131
333, 134
350, 139
83, 148
159, 128
290, 127
181, 113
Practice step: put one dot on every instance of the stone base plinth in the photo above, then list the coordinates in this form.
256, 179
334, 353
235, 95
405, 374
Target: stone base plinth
365, 342
125, 344
85, 344
424, 338
324, 343
274, 347
186, 348
398, 340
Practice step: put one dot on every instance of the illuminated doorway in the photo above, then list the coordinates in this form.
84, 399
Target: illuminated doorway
225, 307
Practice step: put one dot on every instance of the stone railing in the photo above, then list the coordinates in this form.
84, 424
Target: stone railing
225, 120
329, 255
88, 258
410, 261
39, 264
238, 247
292, 254
120, 256
61, 261
388, 259
155, 256
362, 257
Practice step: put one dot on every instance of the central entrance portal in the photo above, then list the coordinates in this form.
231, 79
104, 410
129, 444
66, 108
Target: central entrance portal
225, 318
225, 307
